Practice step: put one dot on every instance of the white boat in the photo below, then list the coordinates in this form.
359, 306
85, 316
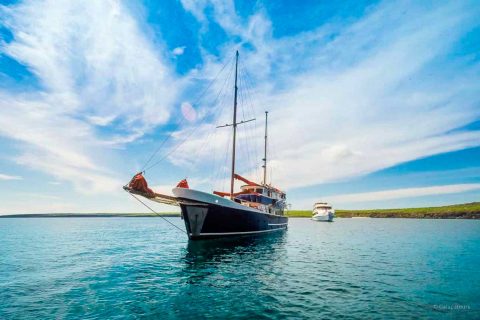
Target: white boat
322, 211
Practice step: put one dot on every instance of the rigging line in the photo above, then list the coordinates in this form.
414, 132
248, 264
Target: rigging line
217, 102
206, 141
216, 173
247, 91
184, 140
183, 118
274, 149
240, 152
241, 98
252, 109
214, 151
240, 140
225, 166
250, 86
245, 131
156, 213
252, 138
245, 143
219, 175
220, 166
220, 106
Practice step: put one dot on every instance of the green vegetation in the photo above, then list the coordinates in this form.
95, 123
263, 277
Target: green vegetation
458, 211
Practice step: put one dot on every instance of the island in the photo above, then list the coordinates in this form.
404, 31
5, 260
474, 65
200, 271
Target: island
457, 211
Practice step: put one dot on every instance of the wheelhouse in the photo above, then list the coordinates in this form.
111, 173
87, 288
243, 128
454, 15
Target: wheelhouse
262, 197
322, 205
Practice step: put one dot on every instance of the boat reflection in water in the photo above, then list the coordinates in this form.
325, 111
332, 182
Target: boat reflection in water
219, 272
208, 257
216, 250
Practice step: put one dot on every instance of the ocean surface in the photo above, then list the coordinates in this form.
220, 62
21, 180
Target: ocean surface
142, 268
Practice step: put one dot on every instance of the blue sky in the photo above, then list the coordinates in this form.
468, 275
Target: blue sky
372, 103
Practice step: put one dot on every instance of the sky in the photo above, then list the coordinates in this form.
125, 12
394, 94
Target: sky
372, 104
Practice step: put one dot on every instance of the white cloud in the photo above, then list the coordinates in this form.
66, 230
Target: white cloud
9, 177
401, 193
97, 69
100, 121
350, 99
95, 56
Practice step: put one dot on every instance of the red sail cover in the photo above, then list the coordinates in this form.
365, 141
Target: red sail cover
138, 183
183, 184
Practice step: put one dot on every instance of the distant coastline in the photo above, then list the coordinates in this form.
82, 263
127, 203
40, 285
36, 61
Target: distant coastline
458, 211
91, 215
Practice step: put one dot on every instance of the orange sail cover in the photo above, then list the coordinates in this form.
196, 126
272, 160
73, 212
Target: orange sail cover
183, 184
138, 183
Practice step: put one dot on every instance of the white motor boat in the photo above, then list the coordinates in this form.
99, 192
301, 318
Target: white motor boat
322, 211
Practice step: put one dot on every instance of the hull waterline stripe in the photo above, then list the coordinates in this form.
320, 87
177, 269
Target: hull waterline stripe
235, 233
278, 224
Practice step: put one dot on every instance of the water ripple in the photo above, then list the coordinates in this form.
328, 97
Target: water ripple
142, 269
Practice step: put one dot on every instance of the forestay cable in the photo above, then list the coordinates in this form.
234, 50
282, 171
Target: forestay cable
157, 213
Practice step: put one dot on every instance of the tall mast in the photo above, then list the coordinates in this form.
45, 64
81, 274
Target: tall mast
265, 153
232, 181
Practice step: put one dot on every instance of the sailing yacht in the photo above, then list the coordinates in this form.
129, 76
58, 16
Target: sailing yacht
257, 208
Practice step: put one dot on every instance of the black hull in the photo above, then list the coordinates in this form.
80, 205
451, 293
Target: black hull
207, 221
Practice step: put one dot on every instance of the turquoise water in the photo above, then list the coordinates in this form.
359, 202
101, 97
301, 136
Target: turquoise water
141, 268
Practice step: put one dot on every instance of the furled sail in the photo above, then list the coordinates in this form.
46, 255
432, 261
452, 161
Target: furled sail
138, 185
